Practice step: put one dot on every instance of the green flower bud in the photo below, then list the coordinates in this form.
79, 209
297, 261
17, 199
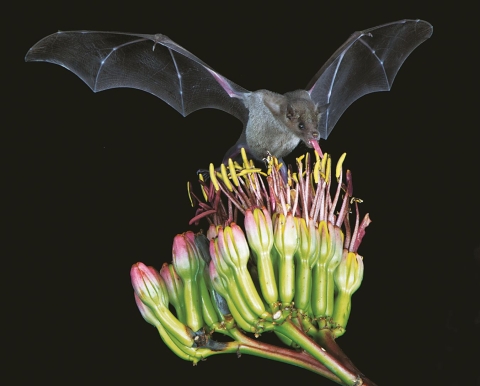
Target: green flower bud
151, 290
186, 260
348, 277
305, 257
175, 289
149, 285
184, 256
234, 249
286, 243
223, 280
259, 230
217, 283
349, 273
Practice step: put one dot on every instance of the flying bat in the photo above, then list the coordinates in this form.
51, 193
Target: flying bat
273, 124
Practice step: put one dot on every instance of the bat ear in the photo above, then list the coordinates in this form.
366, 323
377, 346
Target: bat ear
292, 113
276, 103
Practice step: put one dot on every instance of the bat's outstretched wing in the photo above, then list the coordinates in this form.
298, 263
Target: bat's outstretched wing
367, 62
151, 63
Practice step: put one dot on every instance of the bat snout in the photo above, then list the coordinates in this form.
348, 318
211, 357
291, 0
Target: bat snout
312, 135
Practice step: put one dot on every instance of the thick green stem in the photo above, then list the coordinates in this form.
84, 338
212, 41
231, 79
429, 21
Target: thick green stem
348, 377
246, 345
326, 339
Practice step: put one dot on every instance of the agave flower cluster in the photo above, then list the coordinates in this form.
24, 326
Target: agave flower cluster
291, 269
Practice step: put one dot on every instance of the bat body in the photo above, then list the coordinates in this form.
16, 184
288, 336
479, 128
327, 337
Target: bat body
273, 123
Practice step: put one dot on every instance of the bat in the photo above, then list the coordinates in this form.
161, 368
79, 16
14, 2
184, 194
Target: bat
273, 124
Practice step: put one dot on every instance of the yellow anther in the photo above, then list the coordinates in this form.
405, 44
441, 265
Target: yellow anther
237, 165
225, 178
339, 165
317, 157
316, 170
248, 171
219, 175
244, 157
328, 169
213, 177
242, 173
300, 159
233, 173
324, 161
204, 192
189, 195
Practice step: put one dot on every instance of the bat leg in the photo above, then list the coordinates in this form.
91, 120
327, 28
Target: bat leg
205, 173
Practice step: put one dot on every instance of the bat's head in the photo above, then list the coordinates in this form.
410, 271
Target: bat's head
302, 117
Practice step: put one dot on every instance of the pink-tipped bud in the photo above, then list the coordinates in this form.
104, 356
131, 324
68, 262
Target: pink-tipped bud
307, 241
185, 259
220, 265
174, 285
259, 230
285, 234
233, 246
148, 285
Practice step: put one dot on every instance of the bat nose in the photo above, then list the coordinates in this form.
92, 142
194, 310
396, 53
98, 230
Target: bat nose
316, 134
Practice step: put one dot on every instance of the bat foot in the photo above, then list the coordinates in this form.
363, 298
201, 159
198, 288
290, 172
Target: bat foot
205, 174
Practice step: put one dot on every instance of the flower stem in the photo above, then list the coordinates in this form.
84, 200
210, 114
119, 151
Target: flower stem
346, 375
245, 345
326, 339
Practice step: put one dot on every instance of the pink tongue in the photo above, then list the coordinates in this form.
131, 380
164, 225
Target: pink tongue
316, 146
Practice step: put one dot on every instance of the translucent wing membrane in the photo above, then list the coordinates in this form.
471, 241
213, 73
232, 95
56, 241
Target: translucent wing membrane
367, 62
151, 63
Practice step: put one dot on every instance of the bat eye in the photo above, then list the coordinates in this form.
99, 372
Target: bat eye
301, 126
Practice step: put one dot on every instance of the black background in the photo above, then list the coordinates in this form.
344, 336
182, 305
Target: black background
96, 182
